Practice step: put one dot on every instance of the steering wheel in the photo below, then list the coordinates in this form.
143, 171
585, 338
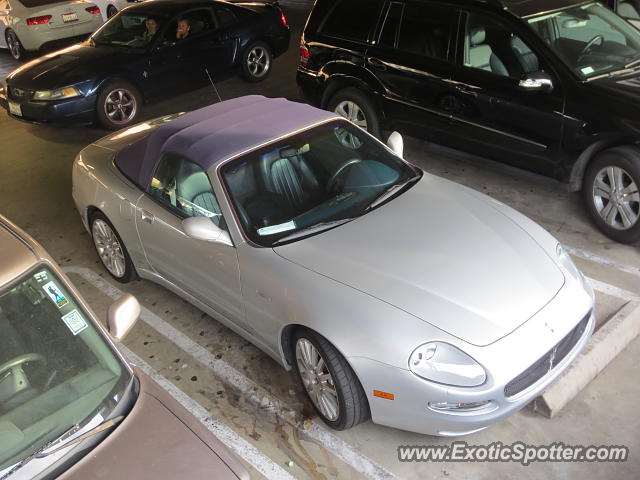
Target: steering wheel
20, 381
334, 178
599, 39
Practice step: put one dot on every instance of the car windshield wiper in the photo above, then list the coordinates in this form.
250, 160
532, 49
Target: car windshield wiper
632, 63
391, 191
310, 230
59, 442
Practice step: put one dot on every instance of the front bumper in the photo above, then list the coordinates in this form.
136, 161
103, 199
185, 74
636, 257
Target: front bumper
79, 110
504, 361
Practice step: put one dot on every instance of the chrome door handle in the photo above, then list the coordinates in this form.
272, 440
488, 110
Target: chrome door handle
376, 63
147, 217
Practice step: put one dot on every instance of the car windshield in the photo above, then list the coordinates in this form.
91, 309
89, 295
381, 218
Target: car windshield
590, 39
131, 30
312, 181
56, 370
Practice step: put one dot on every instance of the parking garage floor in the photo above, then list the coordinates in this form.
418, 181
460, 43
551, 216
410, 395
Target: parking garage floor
243, 395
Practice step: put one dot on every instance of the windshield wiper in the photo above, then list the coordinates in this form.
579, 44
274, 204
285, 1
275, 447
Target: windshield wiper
60, 444
391, 191
632, 63
315, 228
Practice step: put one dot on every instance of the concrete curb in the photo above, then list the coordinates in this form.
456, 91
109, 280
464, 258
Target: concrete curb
602, 348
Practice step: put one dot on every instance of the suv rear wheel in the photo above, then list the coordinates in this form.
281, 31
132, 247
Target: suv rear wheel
611, 191
356, 107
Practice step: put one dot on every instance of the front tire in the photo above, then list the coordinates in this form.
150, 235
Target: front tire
256, 62
611, 192
16, 49
118, 105
111, 250
329, 381
356, 107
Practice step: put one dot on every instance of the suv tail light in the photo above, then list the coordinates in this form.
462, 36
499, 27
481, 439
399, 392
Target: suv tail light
38, 20
283, 19
95, 10
304, 55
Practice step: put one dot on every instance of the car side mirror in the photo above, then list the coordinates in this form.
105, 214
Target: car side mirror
202, 228
396, 143
536, 82
122, 315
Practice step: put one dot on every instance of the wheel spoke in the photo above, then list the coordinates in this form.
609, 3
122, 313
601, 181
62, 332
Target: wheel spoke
601, 189
629, 217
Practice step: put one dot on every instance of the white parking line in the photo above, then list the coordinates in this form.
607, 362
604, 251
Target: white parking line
254, 393
612, 290
226, 435
576, 252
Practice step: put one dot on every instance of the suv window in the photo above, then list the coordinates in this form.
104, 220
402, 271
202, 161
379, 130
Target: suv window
184, 188
426, 30
351, 19
391, 27
491, 46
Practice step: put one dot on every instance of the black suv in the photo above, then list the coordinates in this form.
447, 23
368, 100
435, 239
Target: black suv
551, 86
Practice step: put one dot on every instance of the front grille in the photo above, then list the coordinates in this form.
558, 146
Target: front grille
20, 94
545, 364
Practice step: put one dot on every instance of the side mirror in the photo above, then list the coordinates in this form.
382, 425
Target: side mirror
122, 315
536, 82
395, 143
202, 228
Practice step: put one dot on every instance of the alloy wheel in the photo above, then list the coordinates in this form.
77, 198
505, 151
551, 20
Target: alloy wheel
352, 112
109, 248
258, 61
14, 45
120, 106
317, 379
616, 197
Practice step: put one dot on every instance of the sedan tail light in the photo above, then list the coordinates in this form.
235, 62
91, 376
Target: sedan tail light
95, 10
304, 55
38, 20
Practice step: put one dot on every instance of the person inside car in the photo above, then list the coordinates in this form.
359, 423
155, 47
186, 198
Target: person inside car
183, 29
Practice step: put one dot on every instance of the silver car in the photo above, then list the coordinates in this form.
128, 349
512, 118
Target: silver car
393, 293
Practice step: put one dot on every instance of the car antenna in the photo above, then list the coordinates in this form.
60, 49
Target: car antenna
213, 84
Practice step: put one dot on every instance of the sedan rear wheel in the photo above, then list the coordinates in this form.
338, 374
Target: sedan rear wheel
611, 190
111, 250
111, 11
329, 381
256, 62
15, 47
118, 105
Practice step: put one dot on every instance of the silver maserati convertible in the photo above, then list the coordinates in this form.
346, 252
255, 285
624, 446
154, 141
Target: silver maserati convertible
393, 293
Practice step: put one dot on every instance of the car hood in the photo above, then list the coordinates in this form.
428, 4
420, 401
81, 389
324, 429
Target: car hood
69, 66
153, 442
625, 87
442, 253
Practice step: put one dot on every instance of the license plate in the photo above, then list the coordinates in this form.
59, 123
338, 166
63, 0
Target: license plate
69, 17
15, 109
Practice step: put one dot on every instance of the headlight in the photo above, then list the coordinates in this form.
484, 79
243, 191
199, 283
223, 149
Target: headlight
565, 262
67, 92
444, 363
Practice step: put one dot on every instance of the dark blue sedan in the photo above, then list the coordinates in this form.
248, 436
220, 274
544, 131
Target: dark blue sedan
149, 50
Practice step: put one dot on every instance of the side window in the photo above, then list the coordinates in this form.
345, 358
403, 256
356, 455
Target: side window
225, 17
391, 26
352, 19
491, 46
426, 30
188, 25
184, 188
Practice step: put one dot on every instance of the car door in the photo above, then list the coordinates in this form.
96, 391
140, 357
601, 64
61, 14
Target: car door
178, 64
493, 115
5, 10
412, 58
208, 271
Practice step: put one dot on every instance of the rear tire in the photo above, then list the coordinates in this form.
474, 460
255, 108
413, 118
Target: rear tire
118, 105
356, 107
333, 388
611, 192
256, 62
16, 49
111, 11
110, 248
